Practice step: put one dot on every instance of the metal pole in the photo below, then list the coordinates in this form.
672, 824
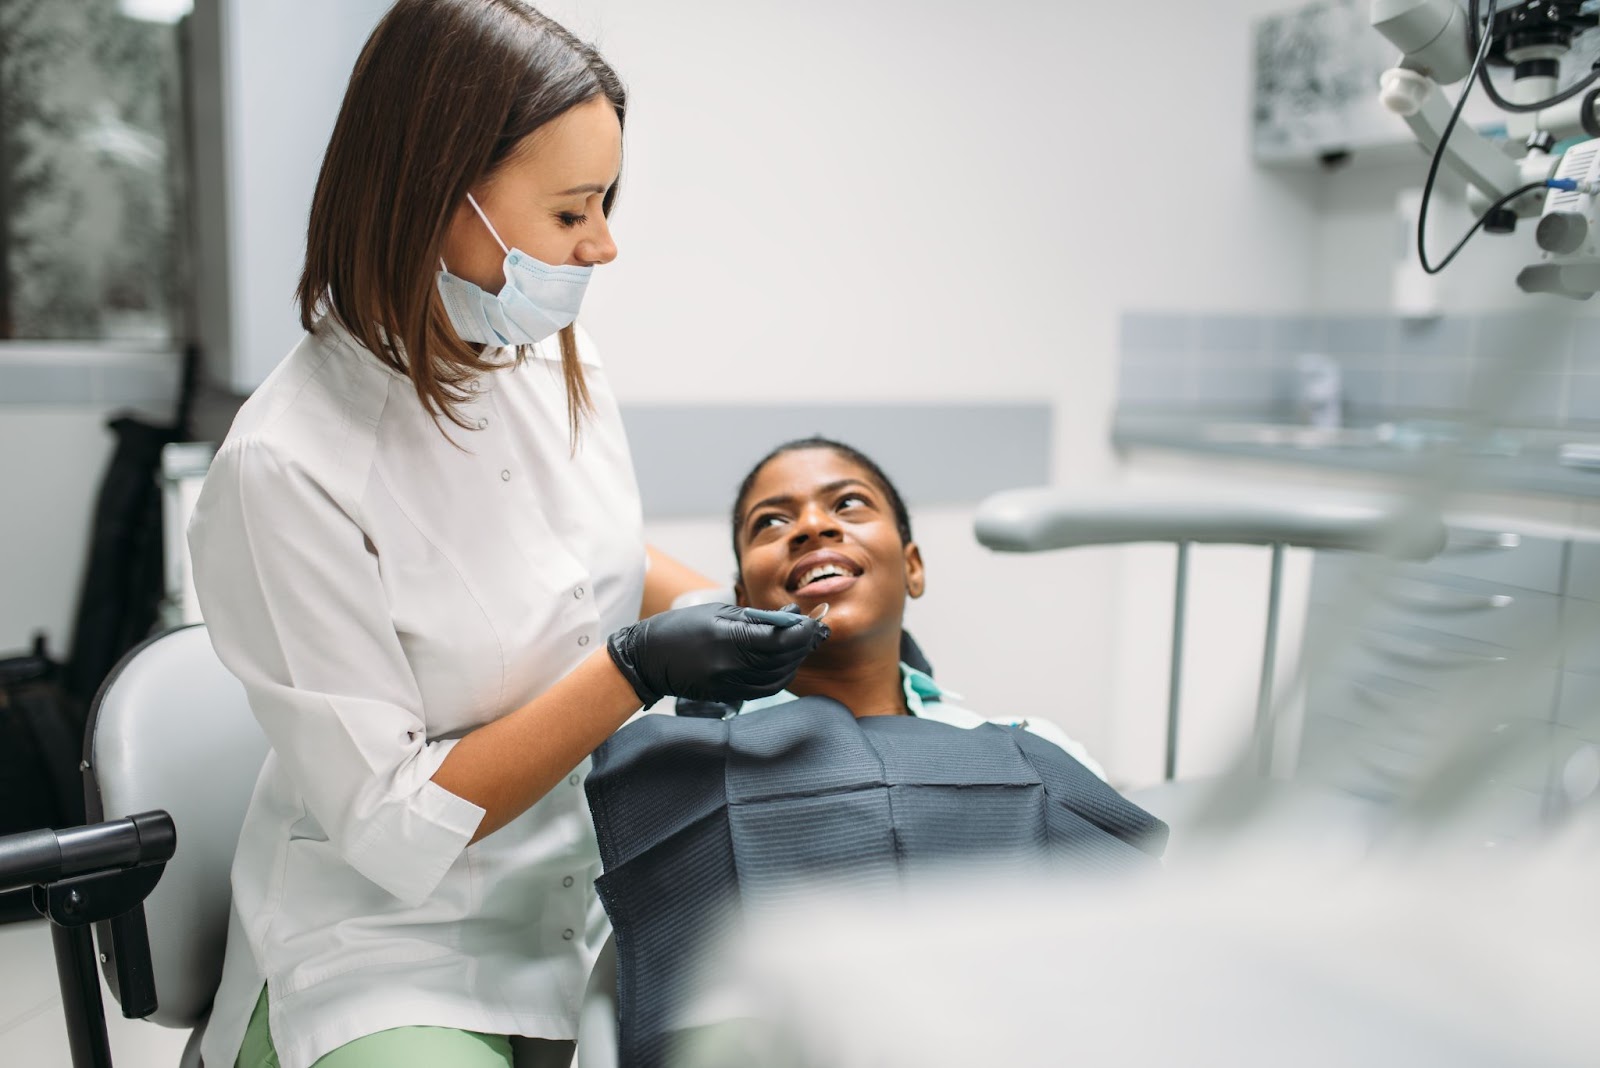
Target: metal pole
1175, 679
1269, 663
80, 996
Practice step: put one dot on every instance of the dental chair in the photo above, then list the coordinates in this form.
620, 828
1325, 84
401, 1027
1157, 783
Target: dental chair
1049, 519
172, 729
171, 751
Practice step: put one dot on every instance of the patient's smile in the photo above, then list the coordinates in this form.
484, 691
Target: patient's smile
823, 574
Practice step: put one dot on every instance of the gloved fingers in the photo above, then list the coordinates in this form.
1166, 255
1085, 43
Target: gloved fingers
752, 687
783, 618
799, 639
769, 679
767, 652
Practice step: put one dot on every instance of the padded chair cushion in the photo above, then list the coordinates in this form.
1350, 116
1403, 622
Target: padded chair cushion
700, 819
171, 729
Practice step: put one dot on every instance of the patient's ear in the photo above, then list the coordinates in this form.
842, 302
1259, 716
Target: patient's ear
739, 598
915, 580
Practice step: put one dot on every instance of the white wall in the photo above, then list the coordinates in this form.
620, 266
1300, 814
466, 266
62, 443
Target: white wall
896, 200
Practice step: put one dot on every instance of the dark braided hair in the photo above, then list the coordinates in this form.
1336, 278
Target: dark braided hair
902, 518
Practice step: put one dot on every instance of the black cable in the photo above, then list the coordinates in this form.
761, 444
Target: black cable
1438, 158
1488, 83
1496, 206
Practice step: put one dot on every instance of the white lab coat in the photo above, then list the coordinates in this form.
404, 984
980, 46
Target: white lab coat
381, 592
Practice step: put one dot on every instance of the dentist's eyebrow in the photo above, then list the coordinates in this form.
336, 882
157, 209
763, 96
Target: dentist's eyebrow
593, 187
832, 487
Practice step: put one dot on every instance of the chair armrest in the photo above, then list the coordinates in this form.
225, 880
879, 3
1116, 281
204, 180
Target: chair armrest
1037, 520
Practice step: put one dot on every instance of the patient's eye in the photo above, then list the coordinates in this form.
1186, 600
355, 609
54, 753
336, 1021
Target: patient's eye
853, 500
569, 219
763, 522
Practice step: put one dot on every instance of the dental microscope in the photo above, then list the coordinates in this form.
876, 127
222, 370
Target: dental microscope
1549, 166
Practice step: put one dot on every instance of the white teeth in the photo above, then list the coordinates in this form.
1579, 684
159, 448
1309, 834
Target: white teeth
824, 571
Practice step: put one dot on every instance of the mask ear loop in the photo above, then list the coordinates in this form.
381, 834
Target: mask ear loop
492, 231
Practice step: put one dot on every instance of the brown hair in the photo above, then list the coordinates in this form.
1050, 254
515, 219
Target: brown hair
443, 93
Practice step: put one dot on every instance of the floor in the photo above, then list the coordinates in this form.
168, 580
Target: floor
32, 1030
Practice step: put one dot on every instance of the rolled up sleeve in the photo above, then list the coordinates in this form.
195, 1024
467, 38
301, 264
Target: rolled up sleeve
294, 603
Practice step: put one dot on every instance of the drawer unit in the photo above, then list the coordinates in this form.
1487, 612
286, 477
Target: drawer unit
1334, 573
1530, 562
1583, 570
1580, 705
1392, 671
1507, 616
1404, 657
1580, 625
1402, 652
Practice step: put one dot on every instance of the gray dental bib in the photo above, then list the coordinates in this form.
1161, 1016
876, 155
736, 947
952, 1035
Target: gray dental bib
700, 819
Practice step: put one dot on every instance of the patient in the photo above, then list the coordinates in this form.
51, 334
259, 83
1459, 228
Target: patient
817, 522
861, 775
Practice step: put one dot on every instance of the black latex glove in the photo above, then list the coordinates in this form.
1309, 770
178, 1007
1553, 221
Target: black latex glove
714, 652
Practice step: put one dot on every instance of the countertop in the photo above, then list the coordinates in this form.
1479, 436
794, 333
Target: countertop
1498, 460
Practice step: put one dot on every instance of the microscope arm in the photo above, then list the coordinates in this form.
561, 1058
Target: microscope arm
1418, 100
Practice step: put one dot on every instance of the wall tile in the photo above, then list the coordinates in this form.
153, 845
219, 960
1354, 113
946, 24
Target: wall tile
1154, 381
1523, 369
1533, 342
1238, 389
1359, 336
1234, 335
1431, 389
1293, 335
1446, 337
1366, 390
1156, 332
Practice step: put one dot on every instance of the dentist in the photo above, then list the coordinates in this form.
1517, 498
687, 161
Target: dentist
420, 549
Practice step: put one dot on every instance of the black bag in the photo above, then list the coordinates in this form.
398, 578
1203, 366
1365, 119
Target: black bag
120, 600
41, 744
43, 704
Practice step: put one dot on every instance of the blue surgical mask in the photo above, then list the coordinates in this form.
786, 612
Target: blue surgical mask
537, 301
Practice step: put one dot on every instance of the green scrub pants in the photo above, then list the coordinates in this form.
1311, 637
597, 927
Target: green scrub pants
410, 1047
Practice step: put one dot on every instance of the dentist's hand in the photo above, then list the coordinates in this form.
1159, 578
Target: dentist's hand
714, 652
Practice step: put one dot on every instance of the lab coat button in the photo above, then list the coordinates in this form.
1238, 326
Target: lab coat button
505, 476
583, 639
578, 593
568, 933
567, 881
482, 423
573, 780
